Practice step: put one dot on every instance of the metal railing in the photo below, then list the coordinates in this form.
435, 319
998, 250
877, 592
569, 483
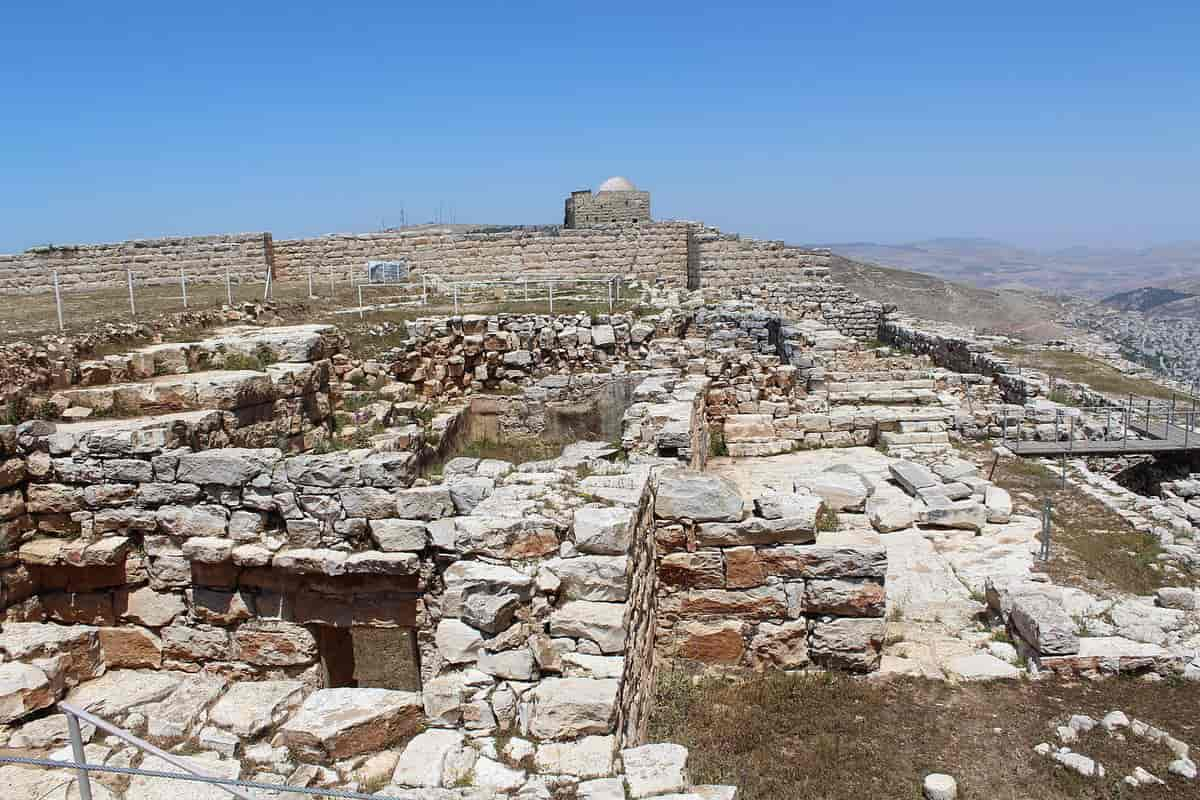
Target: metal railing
1146, 419
190, 772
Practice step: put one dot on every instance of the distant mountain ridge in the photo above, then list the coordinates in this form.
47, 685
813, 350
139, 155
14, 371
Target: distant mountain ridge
1083, 270
1145, 299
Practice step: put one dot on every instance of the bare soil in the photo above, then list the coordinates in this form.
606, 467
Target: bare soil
1092, 548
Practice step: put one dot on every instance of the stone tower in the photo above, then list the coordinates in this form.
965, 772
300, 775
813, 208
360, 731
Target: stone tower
617, 200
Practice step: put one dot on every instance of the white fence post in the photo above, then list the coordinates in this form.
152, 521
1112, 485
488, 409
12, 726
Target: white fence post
361, 312
58, 301
310, 291
228, 287
129, 280
267, 287
610, 297
551, 295
183, 286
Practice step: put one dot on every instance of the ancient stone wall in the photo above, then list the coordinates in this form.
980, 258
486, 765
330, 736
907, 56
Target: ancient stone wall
764, 589
812, 295
728, 260
87, 267
645, 251
683, 254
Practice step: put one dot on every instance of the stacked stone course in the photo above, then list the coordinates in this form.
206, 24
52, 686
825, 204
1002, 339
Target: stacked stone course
89, 267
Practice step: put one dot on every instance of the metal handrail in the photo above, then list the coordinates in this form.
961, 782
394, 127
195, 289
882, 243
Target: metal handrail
1173, 422
85, 790
190, 772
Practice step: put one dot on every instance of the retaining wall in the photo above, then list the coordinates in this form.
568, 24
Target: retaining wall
90, 267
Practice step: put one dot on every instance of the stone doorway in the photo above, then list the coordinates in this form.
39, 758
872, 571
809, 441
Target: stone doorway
370, 658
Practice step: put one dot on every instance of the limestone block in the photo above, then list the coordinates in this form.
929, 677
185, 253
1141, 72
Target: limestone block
782, 646
425, 758
457, 642
703, 569
781, 505
399, 535
655, 769
24, 689
130, 648
999, 505
195, 643
844, 598
1044, 624
698, 497
250, 708
603, 530
589, 757
118, 692
912, 476
719, 642
228, 466
424, 503
505, 537
187, 521
961, 514
274, 643
174, 718
850, 644
841, 491
602, 623
600, 578
341, 723
568, 708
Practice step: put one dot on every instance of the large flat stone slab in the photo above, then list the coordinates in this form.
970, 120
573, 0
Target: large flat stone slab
116, 693
339, 723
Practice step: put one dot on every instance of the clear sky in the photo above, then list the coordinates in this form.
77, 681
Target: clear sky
1046, 124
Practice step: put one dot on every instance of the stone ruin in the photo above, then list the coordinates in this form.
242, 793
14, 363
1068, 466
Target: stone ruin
285, 563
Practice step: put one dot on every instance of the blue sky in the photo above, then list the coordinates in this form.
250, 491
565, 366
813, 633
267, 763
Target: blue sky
1043, 124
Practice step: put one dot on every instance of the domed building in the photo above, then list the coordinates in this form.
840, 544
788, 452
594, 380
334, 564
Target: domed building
617, 200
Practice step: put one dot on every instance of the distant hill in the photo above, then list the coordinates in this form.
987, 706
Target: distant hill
1144, 299
1014, 312
1088, 271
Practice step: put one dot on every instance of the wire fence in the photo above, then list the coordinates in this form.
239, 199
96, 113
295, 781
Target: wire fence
139, 297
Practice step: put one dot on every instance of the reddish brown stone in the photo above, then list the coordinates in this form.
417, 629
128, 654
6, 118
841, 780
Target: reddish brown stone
130, 648
274, 643
743, 570
845, 598
710, 642
700, 570
670, 537
759, 603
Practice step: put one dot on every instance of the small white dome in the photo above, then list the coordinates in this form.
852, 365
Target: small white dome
617, 184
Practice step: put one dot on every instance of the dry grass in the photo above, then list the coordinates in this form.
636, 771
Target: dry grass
1092, 548
1081, 369
35, 315
818, 736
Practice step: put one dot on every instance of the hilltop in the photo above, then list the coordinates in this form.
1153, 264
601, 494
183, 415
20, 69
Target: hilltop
1021, 313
